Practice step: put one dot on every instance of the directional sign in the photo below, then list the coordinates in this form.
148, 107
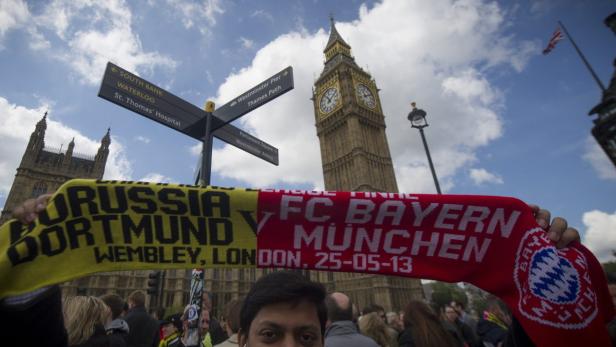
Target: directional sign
248, 143
136, 94
264, 92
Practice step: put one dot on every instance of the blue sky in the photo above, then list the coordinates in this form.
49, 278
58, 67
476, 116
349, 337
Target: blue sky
504, 119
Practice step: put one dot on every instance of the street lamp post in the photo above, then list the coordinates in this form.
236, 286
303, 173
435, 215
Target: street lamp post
417, 117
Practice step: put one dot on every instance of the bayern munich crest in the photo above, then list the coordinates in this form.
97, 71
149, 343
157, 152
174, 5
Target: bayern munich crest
553, 285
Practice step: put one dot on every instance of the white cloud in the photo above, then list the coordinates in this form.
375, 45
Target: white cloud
595, 155
481, 176
262, 14
143, 139
600, 237
197, 14
209, 77
89, 34
542, 7
13, 14
436, 53
195, 150
18, 122
246, 43
156, 177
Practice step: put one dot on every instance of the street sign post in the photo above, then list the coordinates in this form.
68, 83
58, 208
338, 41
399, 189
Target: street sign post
257, 96
138, 95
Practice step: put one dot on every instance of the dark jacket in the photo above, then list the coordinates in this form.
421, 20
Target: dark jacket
406, 337
217, 333
143, 328
468, 336
118, 332
490, 332
102, 338
345, 334
38, 322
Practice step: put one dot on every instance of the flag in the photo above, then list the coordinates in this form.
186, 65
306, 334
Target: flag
557, 36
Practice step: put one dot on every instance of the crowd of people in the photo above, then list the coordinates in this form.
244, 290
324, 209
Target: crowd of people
283, 309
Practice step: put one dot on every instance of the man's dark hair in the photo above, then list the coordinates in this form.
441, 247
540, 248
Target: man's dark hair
231, 314
373, 308
458, 303
335, 313
115, 303
282, 287
137, 297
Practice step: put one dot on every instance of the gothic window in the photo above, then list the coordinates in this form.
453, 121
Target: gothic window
39, 188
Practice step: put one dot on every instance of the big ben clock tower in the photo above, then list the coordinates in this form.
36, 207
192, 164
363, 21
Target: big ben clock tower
355, 154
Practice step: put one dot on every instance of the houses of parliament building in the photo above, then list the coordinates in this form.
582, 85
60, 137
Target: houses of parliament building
350, 125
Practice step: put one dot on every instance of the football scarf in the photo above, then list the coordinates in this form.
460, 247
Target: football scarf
559, 296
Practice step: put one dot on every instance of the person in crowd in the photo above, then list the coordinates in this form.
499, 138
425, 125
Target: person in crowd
203, 326
283, 309
379, 310
85, 318
172, 331
494, 325
341, 331
159, 315
143, 328
394, 321
463, 316
118, 328
392, 334
372, 325
462, 329
216, 333
124, 310
231, 323
422, 328
356, 313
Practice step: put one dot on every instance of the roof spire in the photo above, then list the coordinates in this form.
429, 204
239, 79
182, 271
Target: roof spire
334, 35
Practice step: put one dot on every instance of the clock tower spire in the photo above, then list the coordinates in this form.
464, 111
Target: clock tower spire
355, 155
350, 123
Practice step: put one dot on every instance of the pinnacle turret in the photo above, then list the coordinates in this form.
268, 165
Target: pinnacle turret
334, 36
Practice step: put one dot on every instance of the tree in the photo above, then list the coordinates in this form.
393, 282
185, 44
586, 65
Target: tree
443, 293
610, 266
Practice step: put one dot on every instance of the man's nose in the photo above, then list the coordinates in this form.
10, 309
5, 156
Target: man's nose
290, 341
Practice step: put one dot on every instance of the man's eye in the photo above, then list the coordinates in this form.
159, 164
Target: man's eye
269, 335
307, 339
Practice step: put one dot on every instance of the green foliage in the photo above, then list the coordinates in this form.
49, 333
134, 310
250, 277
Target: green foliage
479, 304
443, 293
609, 266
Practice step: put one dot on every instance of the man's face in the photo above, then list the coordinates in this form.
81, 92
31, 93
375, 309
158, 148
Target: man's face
451, 314
456, 307
206, 303
612, 288
284, 325
204, 327
383, 316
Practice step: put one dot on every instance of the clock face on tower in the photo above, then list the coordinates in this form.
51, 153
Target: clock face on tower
365, 95
329, 100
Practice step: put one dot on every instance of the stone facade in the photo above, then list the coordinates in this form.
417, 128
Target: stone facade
43, 169
355, 154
